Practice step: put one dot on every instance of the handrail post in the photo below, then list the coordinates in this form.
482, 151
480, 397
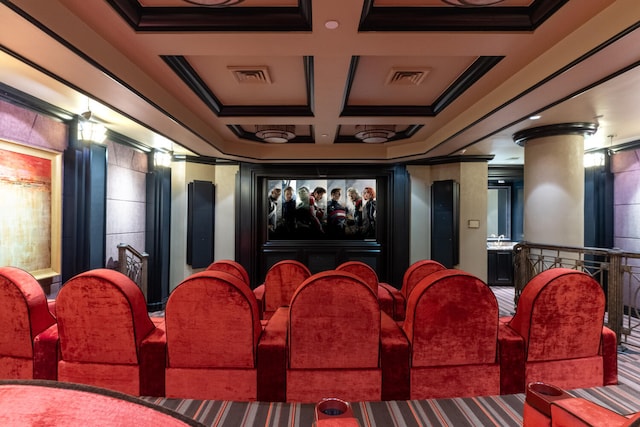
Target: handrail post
615, 303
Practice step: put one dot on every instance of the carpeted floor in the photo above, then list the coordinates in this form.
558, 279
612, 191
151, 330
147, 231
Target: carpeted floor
483, 411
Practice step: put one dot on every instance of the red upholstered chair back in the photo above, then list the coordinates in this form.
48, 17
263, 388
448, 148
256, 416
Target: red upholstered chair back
363, 271
452, 319
334, 323
232, 267
560, 314
212, 321
102, 318
24, 312
281, 281
416, 272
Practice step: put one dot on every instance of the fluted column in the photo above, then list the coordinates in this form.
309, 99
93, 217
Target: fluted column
554, 182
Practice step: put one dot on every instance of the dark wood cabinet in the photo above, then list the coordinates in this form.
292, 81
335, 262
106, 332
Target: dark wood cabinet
500, 268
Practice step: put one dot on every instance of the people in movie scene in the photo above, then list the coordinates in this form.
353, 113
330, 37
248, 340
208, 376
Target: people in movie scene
336, 215
307, 223
316, 203
274, 199
369, 212
288, 211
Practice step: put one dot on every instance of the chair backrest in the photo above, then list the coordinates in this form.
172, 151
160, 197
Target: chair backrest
560, 314
24, 312
452, 319
363, 271
281, 281
102, 318
232, 267
212, 320
334, 313
416, 272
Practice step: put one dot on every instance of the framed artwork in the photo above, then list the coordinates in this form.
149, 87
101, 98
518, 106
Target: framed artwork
30, 209
336, 208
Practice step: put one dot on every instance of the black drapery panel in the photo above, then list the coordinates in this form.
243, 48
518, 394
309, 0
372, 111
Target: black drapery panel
158, 233
83, 206
598, 205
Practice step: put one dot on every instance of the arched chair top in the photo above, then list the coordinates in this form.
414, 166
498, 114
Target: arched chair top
363, 271
102, 318
232, 267
24, 312
418, 271
281, 281
212, 321
560, 314
334, 313
452, 319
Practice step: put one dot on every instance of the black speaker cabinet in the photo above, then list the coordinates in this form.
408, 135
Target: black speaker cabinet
200, 223
445, 219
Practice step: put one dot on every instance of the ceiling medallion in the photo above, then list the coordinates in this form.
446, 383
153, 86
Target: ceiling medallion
375, 133
275, 133
214, 3
472, 3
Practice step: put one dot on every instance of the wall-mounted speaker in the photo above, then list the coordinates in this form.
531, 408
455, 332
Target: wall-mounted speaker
200, 223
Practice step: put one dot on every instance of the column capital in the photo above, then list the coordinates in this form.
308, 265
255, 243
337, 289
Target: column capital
576, 128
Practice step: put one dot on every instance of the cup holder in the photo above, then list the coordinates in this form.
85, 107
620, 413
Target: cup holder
333, 408
540, 396
545, 389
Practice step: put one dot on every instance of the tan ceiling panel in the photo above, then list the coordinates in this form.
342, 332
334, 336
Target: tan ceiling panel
371, 83
284, 81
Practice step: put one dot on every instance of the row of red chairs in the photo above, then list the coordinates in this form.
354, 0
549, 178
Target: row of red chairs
330, 339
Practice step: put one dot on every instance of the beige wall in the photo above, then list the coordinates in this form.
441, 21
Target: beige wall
420, 219
223, 177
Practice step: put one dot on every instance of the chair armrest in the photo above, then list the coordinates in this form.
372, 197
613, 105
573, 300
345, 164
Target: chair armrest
399, 302
580, 412
395, 359
45, 354
511, 351
272, 358
259, 293
153, 362
609, 351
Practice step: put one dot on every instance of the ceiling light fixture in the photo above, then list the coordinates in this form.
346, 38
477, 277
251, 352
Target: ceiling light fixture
375, 133
214, 3
275, 133
472, 3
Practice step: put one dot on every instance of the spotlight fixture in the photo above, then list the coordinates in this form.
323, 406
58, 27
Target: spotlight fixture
275, 133
375, 133
214, 3
472, 3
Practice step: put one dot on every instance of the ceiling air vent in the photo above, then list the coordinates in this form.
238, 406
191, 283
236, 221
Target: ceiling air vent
251, 74
413, 76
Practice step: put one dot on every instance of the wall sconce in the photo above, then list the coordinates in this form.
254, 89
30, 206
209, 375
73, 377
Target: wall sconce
162, 159
91, 132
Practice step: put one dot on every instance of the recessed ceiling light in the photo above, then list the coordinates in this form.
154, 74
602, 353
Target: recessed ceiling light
536, 117
331, 25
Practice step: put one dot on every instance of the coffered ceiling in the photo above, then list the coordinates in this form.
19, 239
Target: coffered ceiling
430, 78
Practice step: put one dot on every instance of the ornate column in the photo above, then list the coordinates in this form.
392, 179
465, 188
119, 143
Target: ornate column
554, 182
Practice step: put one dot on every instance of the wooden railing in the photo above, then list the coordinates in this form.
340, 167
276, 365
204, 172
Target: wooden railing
617, 272
134, 264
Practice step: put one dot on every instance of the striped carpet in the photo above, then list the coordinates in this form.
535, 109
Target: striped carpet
500, 411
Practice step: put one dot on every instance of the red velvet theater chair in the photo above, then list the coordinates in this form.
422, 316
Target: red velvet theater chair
232, 267
559, 318
391, 299
452, 325
28, 331
281, 281
213, 329
339, 343
106, 336
416, 272
546, 405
